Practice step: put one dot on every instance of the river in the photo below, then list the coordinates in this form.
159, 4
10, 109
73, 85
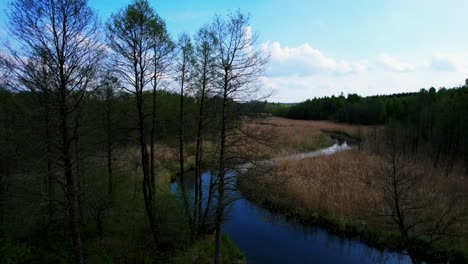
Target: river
267, 237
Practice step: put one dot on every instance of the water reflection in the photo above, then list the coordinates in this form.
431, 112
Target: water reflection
267, 237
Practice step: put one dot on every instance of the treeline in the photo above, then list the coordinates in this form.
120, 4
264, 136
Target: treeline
374, 110
92, 119
20, 115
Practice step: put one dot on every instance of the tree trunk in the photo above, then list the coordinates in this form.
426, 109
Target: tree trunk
109, 170
198, 153
220, 209
99, 225
181, 128
71, 183
153, 128
152, 141
209, 200
78, 171
109, 149
148, 191
49, 173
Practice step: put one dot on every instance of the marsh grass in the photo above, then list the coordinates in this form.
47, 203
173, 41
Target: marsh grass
341, 192
332, 185
290, 136
351, 130
338, 192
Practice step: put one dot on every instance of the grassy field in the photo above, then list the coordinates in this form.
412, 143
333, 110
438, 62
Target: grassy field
340, 191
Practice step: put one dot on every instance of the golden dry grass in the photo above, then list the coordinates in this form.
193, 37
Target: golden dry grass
352, 130
346, 189
293, 136
345, 185
334, 185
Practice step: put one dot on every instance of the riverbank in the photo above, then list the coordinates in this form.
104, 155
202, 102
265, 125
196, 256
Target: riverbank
331, 192
115, 229
174, 221
200, 250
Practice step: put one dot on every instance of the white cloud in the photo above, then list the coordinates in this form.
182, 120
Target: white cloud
306, 60
393, 64
443, 62
300, 88
302, 72
248, 33
248, 38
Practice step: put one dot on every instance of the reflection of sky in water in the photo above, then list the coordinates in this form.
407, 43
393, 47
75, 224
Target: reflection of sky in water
338, 147
267, 237
270, 238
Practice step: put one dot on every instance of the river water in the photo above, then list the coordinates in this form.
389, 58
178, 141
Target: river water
267, 237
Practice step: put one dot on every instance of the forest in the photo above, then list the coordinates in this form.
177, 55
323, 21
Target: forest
98, 119
121, 143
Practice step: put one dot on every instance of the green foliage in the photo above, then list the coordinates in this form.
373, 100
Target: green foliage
277, 109
12, 253
203, 251
47, 244
126, 233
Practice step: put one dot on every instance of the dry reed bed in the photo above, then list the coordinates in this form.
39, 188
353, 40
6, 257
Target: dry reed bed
345, 186
352, 130
333, 185
288, 136
344, 193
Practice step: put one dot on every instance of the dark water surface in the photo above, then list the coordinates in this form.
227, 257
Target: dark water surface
267, 237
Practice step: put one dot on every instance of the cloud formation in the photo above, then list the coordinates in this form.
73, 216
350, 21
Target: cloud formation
303, 72
443, 63
393, 64
305, 60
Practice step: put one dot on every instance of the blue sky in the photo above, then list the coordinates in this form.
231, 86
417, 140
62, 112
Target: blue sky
320, 48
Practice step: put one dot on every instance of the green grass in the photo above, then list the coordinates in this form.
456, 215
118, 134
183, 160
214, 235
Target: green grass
202, 251
13, 252
126, 234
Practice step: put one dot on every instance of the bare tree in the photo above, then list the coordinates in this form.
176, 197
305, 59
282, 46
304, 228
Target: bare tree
184, 75
205, 74
163, 55
106, 94
38, 78
131, 37
8, 145
63, 36
98, 205
108, 124
239, 64
414, 200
